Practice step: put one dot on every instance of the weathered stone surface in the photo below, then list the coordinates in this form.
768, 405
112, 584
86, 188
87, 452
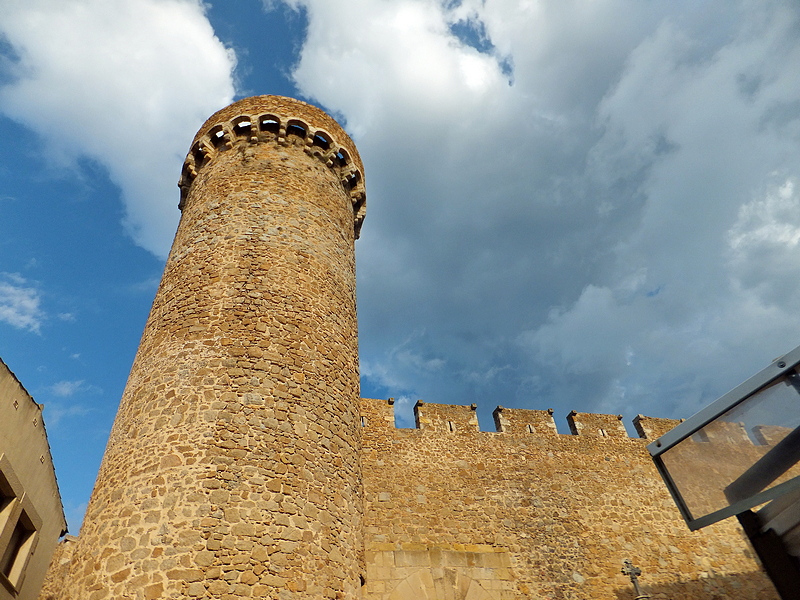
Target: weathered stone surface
242, 465
526, 512
245, 386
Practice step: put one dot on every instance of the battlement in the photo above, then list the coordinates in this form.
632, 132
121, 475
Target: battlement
512, 509
596, 425
769, 435
285, 121
450, 418
460, 419
515, 420
652, 429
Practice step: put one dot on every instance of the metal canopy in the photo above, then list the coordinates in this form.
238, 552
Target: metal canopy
740, 451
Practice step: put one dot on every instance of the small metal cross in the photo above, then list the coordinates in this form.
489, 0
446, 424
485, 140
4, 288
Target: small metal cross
633, 572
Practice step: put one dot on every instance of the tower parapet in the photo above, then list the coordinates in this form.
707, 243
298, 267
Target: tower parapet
286, 122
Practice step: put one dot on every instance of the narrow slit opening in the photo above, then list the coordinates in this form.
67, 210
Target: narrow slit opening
15, 556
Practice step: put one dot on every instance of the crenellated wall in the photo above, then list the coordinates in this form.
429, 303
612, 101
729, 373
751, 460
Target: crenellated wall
242, 464
453, 512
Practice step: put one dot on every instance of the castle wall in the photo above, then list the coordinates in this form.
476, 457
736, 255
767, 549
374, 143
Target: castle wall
232, 469
58, 571
242, 465
452, 512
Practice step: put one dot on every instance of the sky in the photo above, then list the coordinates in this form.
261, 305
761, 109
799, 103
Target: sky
587, 205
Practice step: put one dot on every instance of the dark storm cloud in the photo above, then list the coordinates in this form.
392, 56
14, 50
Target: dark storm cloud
582, 235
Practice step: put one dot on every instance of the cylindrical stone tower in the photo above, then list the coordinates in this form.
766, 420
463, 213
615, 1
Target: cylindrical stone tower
232, 470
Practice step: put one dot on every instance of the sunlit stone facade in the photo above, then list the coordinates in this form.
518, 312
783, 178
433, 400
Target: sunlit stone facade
242, 463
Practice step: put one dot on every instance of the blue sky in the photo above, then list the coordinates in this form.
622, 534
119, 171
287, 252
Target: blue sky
571, 204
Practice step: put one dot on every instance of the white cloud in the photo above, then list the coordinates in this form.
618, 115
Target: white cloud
693, 128
424, 73
60, 409
123, 82
66, 388
58, 414
580, 204
399, 367
765, 246
20, 303
597, 232
772, 221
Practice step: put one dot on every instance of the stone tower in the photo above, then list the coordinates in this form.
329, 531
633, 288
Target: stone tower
232, 470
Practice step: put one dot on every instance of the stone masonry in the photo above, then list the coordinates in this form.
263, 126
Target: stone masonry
454, 513
242, 463
232, 469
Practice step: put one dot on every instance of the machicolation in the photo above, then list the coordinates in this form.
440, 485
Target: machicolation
222, 131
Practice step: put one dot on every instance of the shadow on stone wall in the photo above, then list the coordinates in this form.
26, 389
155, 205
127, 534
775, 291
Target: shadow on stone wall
741, 586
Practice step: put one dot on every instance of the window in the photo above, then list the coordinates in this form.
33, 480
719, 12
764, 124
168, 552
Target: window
6, 497
19, 524
217, 136
19, 548
321, 140
341, 158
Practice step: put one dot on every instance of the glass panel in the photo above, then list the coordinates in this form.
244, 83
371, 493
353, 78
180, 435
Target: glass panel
751, 448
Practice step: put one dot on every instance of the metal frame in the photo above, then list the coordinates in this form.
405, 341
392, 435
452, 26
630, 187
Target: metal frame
737, 395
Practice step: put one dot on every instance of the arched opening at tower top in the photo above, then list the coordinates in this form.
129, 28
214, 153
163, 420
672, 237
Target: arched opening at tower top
269, 123
341, 158
297, 128
242, 126
352, 180
199, 154
321, 140
217, 136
